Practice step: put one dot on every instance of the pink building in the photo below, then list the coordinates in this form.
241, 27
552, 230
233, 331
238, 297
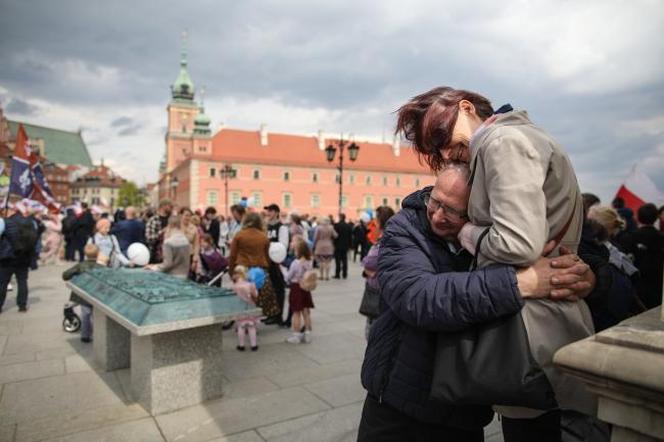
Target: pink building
286, 169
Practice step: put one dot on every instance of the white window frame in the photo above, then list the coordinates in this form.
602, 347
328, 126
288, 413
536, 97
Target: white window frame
315, 200
287, 203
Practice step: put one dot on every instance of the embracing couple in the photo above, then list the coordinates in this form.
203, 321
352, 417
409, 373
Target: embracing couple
492, 242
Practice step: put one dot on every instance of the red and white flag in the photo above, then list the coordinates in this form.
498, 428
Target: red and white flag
638, 189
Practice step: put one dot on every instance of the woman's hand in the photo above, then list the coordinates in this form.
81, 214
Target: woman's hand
564, 277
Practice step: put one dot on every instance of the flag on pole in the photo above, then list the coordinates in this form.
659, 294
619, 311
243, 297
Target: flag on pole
638, 189
27, 178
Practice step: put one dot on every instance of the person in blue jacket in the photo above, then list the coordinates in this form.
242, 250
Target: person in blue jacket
426, 289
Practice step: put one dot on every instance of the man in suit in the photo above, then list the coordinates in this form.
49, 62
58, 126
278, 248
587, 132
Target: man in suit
342, 244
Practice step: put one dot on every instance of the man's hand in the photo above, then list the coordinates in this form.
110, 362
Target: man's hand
564, 277
575, 279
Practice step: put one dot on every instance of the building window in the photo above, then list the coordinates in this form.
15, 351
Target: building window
344, 201
212, 197
288, 199
257, 174
368, 180
398, 181
397, 203
184, 129
385, 202
384, 181
417, 183
213, 172
315, 200
351, 178
202, 149
235, 197
314, 177
286, 176
258, 199
368, 202
336, 178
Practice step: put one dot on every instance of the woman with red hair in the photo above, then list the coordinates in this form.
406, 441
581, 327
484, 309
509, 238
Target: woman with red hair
524, 195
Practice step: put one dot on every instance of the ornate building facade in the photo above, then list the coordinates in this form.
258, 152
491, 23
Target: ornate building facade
287, 169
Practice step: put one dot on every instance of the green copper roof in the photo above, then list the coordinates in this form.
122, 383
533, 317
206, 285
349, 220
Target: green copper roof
60, 146
202, 123
146, 298
183, 87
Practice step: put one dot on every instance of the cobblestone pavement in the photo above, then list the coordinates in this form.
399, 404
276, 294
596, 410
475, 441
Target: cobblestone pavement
50, 388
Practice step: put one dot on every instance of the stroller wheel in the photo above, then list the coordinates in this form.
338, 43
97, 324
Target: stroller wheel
71, 324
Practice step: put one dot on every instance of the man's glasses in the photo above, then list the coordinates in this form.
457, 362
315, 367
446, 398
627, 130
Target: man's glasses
433, 205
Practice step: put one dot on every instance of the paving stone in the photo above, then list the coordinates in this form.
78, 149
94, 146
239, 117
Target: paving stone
144, 430
32, 343
228, 416
333, 348
59, 395
77, 363
31, 370
249, 436
301, 376
268, 359
339, 391
90, 419
61, 352
3, 341
338, 424
248, 387
17, 358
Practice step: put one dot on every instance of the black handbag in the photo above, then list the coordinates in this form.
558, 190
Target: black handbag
490, 364
370, 305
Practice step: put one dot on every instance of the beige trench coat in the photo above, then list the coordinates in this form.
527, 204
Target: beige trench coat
524, 191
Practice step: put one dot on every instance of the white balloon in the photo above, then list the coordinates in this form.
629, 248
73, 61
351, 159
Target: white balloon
277, 252
364, 216
138, 254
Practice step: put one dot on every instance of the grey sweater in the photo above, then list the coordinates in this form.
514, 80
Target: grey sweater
177, 255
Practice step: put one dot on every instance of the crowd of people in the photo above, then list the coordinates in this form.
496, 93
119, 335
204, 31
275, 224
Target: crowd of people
199, 246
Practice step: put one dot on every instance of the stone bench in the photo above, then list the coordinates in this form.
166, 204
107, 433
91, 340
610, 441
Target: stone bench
166, 330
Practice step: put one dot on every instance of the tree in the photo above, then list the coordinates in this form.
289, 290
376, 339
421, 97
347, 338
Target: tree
130, 195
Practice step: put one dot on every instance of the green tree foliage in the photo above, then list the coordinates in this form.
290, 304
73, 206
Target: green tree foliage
130, 195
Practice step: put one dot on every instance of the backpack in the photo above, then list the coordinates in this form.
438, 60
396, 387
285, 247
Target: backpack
24, 241
309, 280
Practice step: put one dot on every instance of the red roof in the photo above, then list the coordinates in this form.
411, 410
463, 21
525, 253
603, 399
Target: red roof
241, 146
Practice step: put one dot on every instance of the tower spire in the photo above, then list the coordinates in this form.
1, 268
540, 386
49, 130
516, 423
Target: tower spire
183, 51
183, 88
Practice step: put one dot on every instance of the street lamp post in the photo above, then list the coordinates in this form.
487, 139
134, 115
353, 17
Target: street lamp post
330, 151
174, 187
227, 172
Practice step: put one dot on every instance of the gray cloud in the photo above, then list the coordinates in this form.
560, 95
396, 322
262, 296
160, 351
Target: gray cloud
130, 130
22, 107
121, 121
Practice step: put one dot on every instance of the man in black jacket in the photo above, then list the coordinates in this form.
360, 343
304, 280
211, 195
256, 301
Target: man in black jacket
17, 250
646, 245
342, 244
425, 290
84, 227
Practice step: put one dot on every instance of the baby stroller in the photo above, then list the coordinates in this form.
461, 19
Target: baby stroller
214, 265
72, 322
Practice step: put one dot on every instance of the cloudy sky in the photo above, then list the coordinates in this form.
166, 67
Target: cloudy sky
590, 72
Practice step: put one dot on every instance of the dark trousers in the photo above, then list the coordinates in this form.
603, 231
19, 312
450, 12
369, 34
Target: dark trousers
21, 273
341, 263
382, 423
545, 428
79, 245
70, 250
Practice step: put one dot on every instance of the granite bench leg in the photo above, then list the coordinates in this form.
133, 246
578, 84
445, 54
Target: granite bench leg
176, 369
110, 342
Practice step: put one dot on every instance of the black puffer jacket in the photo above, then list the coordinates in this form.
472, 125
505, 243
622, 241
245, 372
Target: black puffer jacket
425, 289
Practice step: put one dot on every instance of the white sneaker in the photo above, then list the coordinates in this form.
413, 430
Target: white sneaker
307, 337
295, 338
10, 287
